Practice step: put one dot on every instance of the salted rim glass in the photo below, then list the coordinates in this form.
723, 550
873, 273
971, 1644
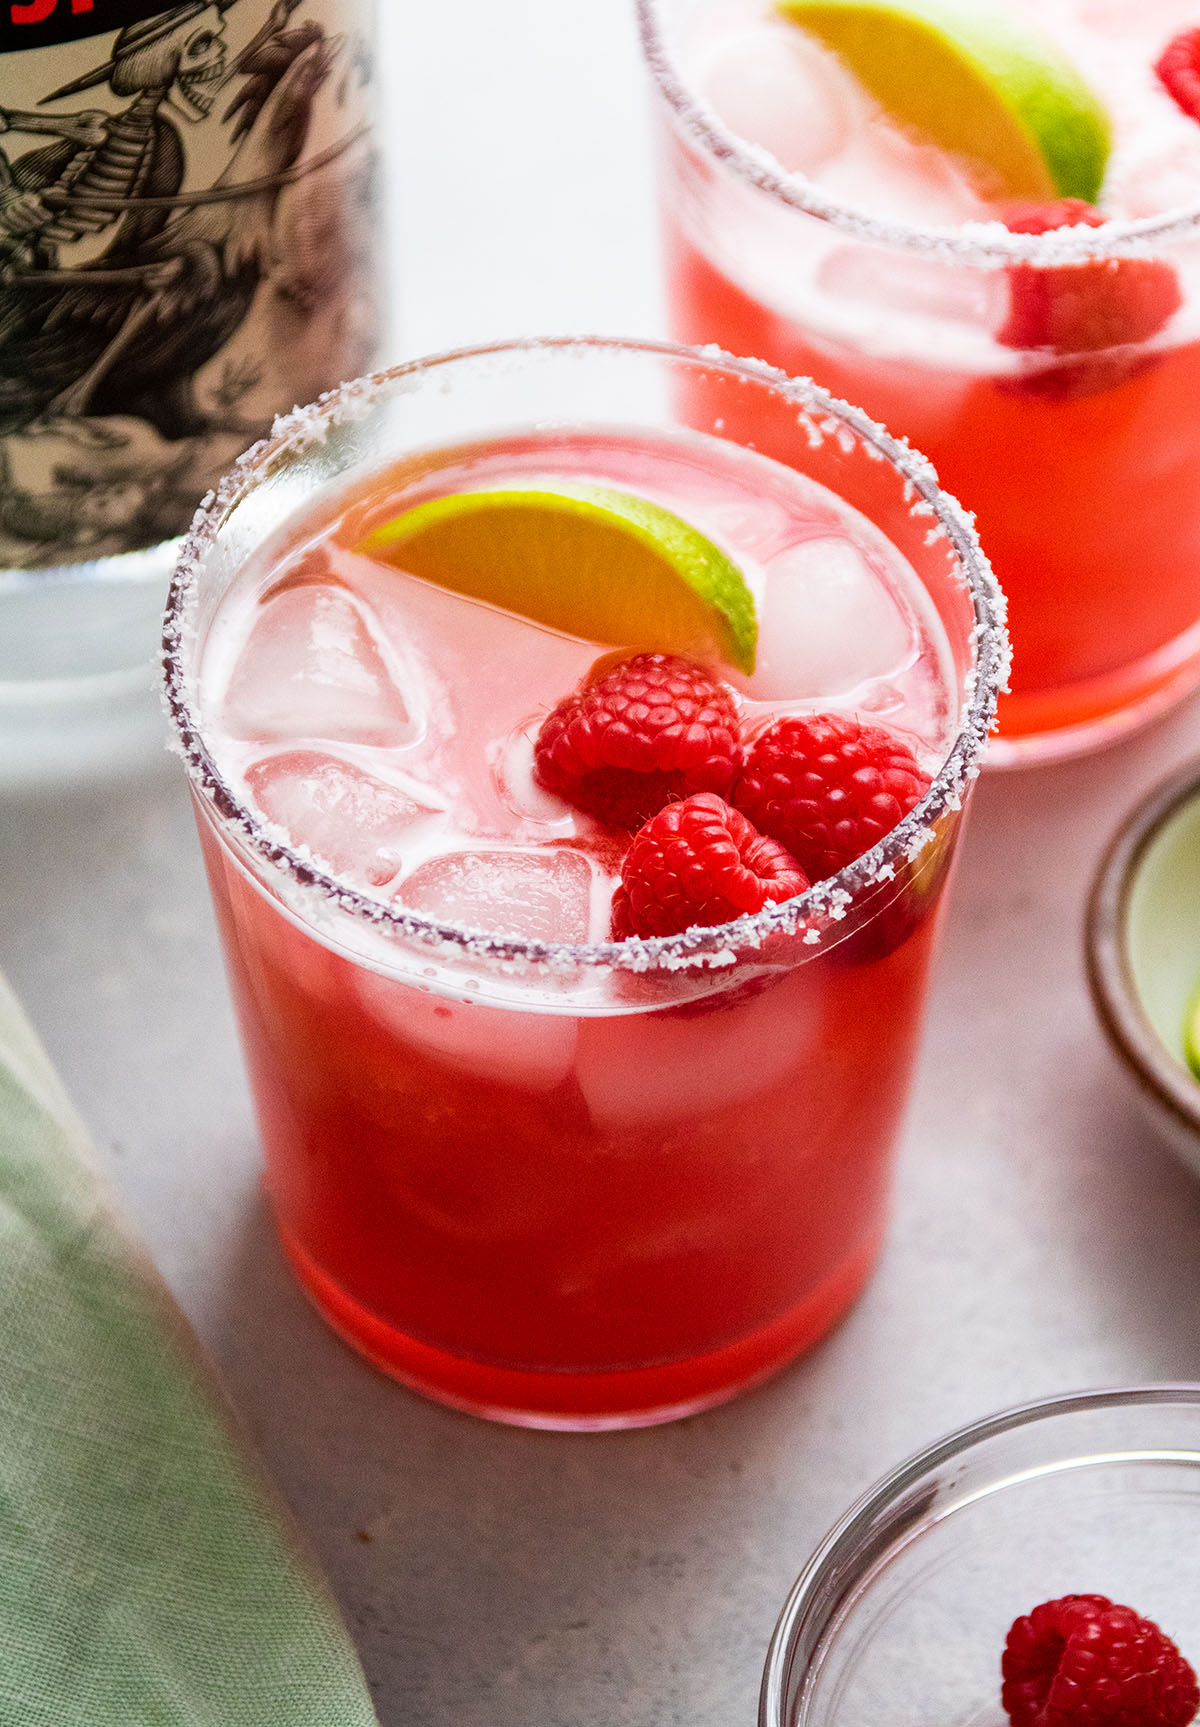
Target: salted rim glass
819, 415
971, 243
849, 1588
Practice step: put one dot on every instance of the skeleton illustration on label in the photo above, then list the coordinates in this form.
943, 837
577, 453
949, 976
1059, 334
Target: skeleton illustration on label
187, 246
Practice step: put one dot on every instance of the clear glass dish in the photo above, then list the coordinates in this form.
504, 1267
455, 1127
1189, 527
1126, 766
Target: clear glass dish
899, 1618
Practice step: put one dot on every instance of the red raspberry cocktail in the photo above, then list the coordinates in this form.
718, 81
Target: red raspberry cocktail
1041, 347
580, 969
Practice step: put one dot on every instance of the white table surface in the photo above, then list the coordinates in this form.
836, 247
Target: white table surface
1043, 1240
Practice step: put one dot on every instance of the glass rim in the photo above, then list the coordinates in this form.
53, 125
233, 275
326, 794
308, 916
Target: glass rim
712, 946
841, 1544
969, 242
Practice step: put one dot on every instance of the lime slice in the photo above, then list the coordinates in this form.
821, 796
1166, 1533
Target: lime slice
590, 561
976, 80
1191, 1032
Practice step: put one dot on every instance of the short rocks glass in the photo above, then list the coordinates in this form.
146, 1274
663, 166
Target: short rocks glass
539, 1174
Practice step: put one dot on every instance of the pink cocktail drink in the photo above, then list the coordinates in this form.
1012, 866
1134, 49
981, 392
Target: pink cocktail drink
1054, 382
526, 1168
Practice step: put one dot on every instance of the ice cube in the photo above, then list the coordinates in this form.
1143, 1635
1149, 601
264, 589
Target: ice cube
782, 90
650, 1067
533, 1051
350, 820
544, 895
885, 701
888, 172
1159, 181
828, 624
1118, 17
518, 791
896, 286
313, 667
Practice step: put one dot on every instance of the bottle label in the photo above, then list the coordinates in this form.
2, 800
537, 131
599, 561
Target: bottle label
189, 243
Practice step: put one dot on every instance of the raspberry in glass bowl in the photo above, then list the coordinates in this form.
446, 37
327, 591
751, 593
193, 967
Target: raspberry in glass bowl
902, 1615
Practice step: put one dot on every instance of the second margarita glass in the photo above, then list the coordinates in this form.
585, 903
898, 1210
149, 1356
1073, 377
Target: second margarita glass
1080, 466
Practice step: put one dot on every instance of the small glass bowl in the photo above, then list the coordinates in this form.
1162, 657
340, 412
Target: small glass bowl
899, 1618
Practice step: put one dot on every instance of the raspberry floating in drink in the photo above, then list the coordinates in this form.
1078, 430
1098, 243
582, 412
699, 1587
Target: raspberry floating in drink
1178, 68
1076, 308
699, 863
1085, 1661
649, 729
828, 787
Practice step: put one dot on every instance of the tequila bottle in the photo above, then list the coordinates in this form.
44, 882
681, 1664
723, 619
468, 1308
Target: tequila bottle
187, 247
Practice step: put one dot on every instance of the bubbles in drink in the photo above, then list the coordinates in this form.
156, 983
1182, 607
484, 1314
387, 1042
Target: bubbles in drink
314, 666
354, 823
532, 895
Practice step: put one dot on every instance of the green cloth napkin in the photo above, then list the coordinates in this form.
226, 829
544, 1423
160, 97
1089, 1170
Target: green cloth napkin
147, 1576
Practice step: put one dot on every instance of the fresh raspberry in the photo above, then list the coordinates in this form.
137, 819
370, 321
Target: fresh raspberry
1178, 68
1027, 216
699, 862
828, 787
647, 730
1082, 1661
1083, 308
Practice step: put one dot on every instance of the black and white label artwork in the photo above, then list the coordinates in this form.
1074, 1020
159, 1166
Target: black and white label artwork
189, 240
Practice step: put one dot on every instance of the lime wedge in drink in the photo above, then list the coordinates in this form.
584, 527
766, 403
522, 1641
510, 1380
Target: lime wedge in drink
585, 559
975, 79
1191, 1032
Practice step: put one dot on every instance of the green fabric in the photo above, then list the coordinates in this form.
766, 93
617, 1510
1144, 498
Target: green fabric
147, 1576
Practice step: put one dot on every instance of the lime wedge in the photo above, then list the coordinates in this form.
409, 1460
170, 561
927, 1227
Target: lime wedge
973, 78
1191, 1032
605, 565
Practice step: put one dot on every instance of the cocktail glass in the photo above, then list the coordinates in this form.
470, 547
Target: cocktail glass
579, 1185
1080, 468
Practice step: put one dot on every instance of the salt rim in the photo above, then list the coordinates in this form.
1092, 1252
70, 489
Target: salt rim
820, 413
974, 242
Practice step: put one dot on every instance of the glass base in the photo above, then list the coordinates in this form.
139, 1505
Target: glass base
1056, 725
78, 667
582, 1402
